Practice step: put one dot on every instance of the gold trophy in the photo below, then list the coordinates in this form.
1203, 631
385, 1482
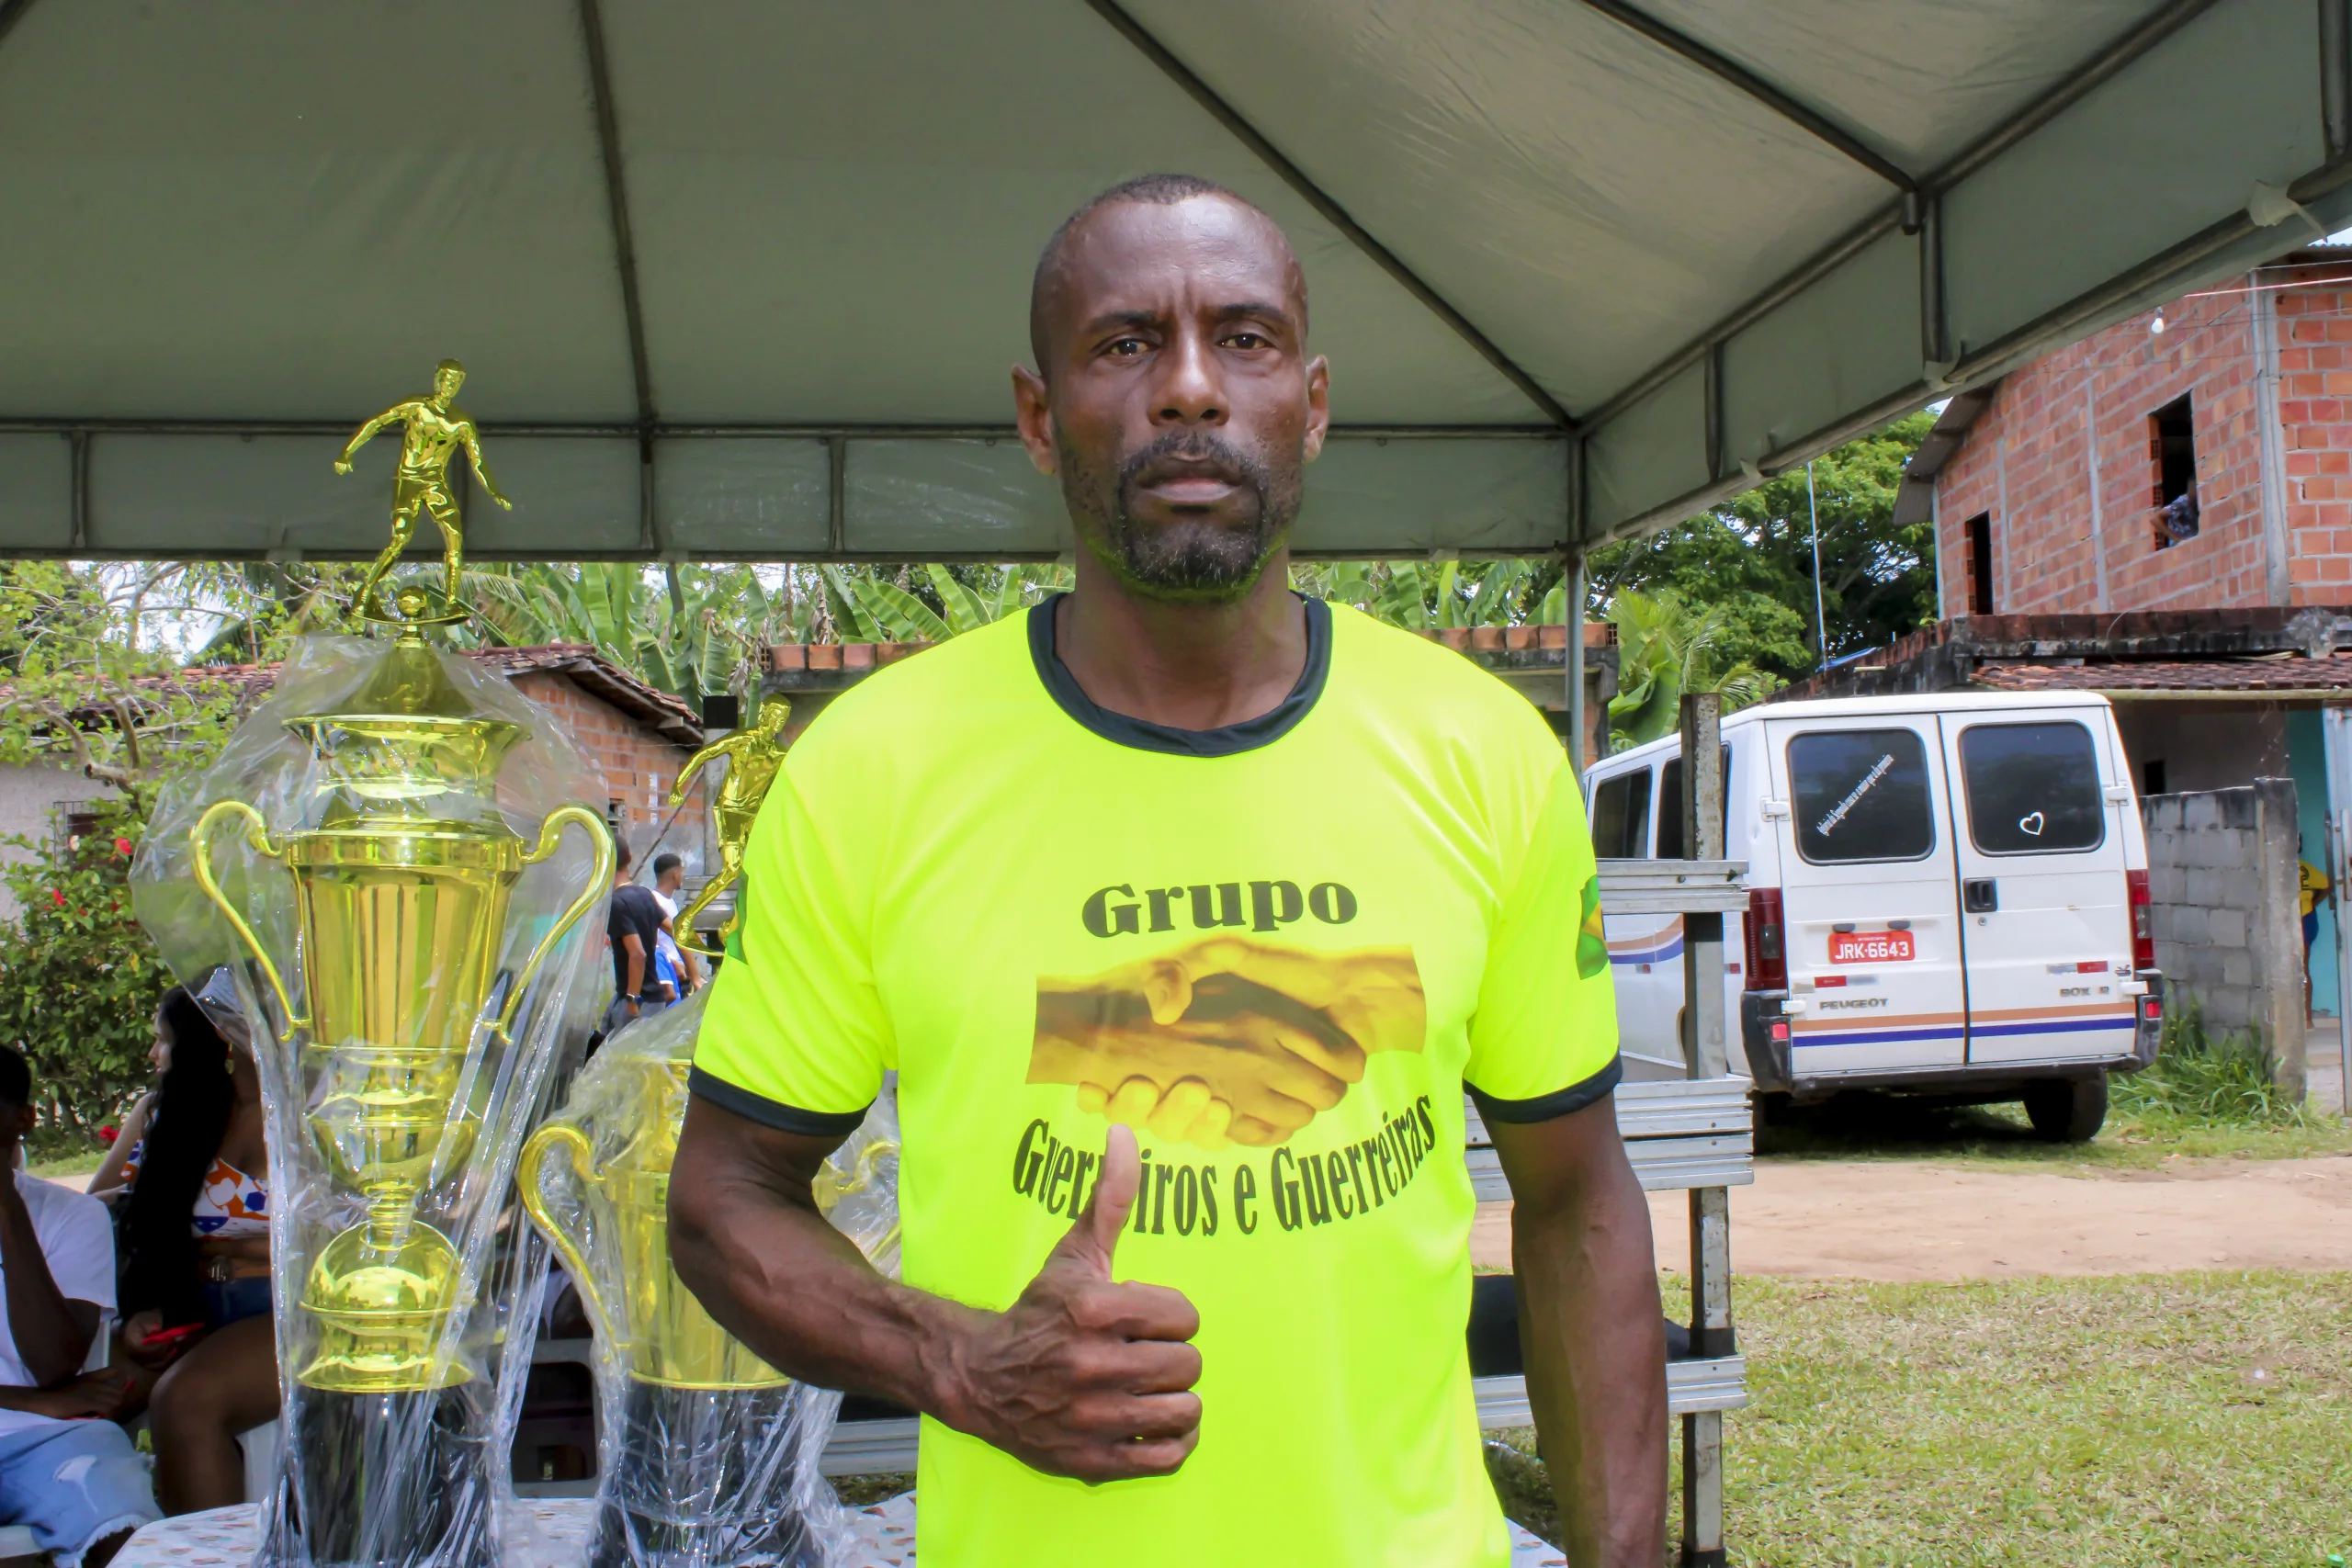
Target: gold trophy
400, 1006
754, 757
708, 1448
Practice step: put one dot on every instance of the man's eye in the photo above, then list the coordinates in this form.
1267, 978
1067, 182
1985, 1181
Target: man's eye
1248, 341
1127, 347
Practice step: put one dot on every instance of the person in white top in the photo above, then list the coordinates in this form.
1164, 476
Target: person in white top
669, 880
67, 1472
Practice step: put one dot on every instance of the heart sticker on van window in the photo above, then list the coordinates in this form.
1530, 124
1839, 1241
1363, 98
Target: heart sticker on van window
2030, 824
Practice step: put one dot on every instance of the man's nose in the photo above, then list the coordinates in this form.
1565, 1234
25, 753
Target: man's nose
1191, 389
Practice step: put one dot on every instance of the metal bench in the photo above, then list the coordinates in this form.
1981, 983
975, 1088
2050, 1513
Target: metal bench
1679, 1137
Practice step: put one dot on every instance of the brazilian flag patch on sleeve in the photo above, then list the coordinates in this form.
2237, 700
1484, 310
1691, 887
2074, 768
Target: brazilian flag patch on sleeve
1592, 937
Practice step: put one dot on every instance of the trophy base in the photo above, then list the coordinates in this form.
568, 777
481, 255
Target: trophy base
389, 1480
703, 1478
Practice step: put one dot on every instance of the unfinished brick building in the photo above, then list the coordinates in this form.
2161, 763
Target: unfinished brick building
2199, 456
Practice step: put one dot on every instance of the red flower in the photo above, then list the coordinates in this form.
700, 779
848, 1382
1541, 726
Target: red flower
56, 898
108, 1135
122, 848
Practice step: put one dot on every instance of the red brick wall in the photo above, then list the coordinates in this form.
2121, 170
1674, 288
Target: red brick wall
2314, 395
2027, 463
638, 766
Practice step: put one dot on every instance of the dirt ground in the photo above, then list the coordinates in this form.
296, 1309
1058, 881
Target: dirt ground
1903, 1220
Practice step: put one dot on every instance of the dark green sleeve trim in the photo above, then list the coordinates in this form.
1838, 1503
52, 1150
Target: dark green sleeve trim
1559, 1102
771, 1113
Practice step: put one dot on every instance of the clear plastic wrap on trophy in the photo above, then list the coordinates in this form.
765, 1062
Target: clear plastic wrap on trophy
707, 1456
392, 859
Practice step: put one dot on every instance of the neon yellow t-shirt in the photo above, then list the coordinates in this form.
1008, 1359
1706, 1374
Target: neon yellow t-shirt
1343, 912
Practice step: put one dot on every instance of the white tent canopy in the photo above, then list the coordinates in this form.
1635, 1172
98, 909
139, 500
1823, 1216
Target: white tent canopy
743, 277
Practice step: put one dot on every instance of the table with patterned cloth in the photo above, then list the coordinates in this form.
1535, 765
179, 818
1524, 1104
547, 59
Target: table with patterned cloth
223, 1538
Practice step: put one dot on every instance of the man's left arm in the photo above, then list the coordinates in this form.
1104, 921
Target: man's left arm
53, 1331
1591, 1331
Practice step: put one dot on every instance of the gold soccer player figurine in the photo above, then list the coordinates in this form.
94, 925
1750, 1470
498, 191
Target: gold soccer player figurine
435, 428
753, 756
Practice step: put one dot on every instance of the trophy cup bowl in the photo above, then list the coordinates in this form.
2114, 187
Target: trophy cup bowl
699, 1462
401, 875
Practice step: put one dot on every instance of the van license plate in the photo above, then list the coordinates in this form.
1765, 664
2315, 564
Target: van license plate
1871, 947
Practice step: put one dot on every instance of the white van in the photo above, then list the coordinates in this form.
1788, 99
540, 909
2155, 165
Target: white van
1947, 896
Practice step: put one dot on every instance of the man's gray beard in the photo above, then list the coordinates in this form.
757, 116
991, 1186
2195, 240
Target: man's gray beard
1195, 562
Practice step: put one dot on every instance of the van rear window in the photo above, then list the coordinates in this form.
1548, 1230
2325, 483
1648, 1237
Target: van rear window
1621, 817
2032, 789
1670, 806
1860, 794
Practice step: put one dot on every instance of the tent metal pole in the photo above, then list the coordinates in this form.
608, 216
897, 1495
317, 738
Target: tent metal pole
1820, 617
609, 142
1327, 206
2335, 74
340, 427
1575, 662
1754, 86
2142, 37
11, 13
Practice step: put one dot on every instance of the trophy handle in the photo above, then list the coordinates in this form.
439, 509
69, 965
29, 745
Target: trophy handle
536, 1150
256, 835
600, 874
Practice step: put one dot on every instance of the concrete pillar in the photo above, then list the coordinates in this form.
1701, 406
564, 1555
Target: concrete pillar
2277, 934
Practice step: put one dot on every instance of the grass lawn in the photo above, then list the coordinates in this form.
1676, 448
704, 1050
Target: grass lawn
52, 1152
1886, 1127
2180, 1420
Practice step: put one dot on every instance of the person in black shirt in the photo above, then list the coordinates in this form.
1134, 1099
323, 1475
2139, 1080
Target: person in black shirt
634, 925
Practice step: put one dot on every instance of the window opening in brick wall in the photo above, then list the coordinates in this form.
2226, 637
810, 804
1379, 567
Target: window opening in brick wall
2172, 448
76, 820
1980, 564
2152, 776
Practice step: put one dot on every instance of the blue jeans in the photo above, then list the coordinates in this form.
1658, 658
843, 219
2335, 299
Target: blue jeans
73, 1484
226, 1302
616, 1015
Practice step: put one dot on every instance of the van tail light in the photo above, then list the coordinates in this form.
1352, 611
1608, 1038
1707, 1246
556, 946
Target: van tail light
2143, 925
1768, 950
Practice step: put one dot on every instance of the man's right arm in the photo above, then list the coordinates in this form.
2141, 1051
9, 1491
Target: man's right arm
1080, 1377
52, 1332
633, 946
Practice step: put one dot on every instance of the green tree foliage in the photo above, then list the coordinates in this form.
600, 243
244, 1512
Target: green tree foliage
78, 980
1434, 595
1751, 561
87, 688
1665, 649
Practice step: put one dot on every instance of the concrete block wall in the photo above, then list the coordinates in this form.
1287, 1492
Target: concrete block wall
2226, 912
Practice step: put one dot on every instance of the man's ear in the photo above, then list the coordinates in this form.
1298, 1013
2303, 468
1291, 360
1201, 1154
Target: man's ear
1033, 414
1319, 405
25, 1118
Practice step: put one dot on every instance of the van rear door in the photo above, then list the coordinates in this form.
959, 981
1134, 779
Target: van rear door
1645, 951
1870, 899
2046, 910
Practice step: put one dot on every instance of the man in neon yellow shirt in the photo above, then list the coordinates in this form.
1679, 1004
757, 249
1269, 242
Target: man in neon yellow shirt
1181, 858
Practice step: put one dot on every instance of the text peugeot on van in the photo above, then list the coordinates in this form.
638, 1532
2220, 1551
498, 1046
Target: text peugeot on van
1948, 895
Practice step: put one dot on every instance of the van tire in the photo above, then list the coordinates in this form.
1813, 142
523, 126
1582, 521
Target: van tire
2066, 1110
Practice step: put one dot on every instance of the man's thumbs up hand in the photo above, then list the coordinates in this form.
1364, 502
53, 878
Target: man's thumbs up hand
1084, 1377
1085, 1250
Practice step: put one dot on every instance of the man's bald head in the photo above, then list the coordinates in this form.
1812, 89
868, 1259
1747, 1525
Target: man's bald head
1149, 190
1174, 394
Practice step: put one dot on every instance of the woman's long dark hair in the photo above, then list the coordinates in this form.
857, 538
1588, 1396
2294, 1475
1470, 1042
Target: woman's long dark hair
183, 1132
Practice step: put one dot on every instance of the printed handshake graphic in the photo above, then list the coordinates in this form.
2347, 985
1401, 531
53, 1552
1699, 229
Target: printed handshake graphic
1226, 1041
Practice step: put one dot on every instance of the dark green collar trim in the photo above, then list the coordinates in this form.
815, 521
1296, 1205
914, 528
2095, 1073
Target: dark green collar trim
1229, 740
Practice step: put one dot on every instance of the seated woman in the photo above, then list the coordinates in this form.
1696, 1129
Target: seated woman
195, 1265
